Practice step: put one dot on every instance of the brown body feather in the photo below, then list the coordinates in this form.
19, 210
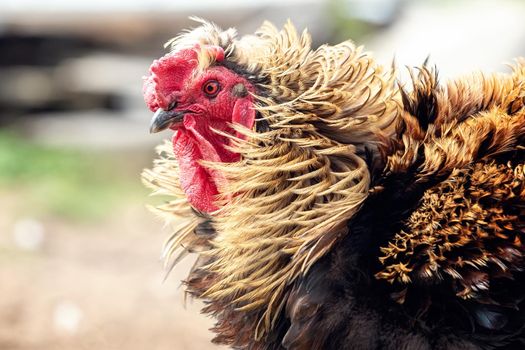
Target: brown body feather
428, 184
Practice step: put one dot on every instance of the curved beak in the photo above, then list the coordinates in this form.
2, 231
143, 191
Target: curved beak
164, 119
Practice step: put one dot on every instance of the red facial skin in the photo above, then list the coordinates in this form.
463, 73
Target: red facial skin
174, 77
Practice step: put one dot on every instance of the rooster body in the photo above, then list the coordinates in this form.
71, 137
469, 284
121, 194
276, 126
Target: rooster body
331, 208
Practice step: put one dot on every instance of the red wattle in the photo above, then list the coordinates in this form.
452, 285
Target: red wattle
194, 179
193, 142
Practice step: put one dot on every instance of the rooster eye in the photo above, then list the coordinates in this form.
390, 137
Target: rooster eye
211, 88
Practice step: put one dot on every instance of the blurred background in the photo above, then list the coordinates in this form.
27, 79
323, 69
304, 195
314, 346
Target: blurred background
79, 266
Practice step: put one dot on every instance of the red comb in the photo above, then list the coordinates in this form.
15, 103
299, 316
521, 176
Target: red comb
168, 74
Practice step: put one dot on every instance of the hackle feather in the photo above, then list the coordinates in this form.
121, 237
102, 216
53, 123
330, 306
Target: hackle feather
328, 113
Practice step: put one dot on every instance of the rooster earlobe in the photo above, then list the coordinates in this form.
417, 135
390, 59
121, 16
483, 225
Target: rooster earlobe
244, 114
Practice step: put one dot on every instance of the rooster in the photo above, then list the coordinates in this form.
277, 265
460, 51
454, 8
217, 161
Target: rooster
332, 207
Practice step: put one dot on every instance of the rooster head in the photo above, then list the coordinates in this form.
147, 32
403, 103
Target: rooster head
192, 92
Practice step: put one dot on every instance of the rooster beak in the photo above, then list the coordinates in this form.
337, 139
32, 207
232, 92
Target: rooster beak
163, 119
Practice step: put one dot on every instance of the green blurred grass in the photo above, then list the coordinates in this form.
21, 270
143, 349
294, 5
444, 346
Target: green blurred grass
71, 184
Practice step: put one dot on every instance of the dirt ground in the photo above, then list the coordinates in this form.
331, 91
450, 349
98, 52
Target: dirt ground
93, 286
